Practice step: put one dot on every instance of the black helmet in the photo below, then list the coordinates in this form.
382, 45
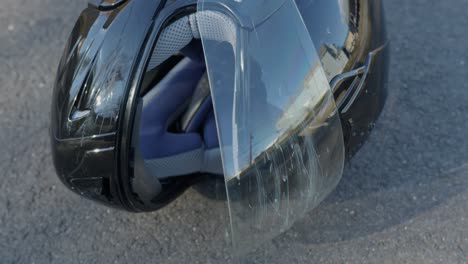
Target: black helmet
133, 122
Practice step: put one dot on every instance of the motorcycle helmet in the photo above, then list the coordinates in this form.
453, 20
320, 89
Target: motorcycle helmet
146, 99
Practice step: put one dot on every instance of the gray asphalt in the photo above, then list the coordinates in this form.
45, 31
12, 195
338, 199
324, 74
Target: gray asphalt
403, 198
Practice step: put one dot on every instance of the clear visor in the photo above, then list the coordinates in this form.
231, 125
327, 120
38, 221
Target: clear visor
280, 134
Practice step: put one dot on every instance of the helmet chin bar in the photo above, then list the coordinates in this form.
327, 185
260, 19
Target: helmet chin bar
102, 78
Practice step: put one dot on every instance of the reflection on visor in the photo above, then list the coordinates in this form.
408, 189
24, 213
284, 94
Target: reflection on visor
280, 135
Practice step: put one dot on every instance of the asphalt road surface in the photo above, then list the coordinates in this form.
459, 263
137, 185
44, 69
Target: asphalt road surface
403, 198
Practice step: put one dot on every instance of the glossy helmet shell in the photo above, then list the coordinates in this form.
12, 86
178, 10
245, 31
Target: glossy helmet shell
102, 70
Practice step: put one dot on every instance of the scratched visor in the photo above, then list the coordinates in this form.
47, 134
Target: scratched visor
280, 134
